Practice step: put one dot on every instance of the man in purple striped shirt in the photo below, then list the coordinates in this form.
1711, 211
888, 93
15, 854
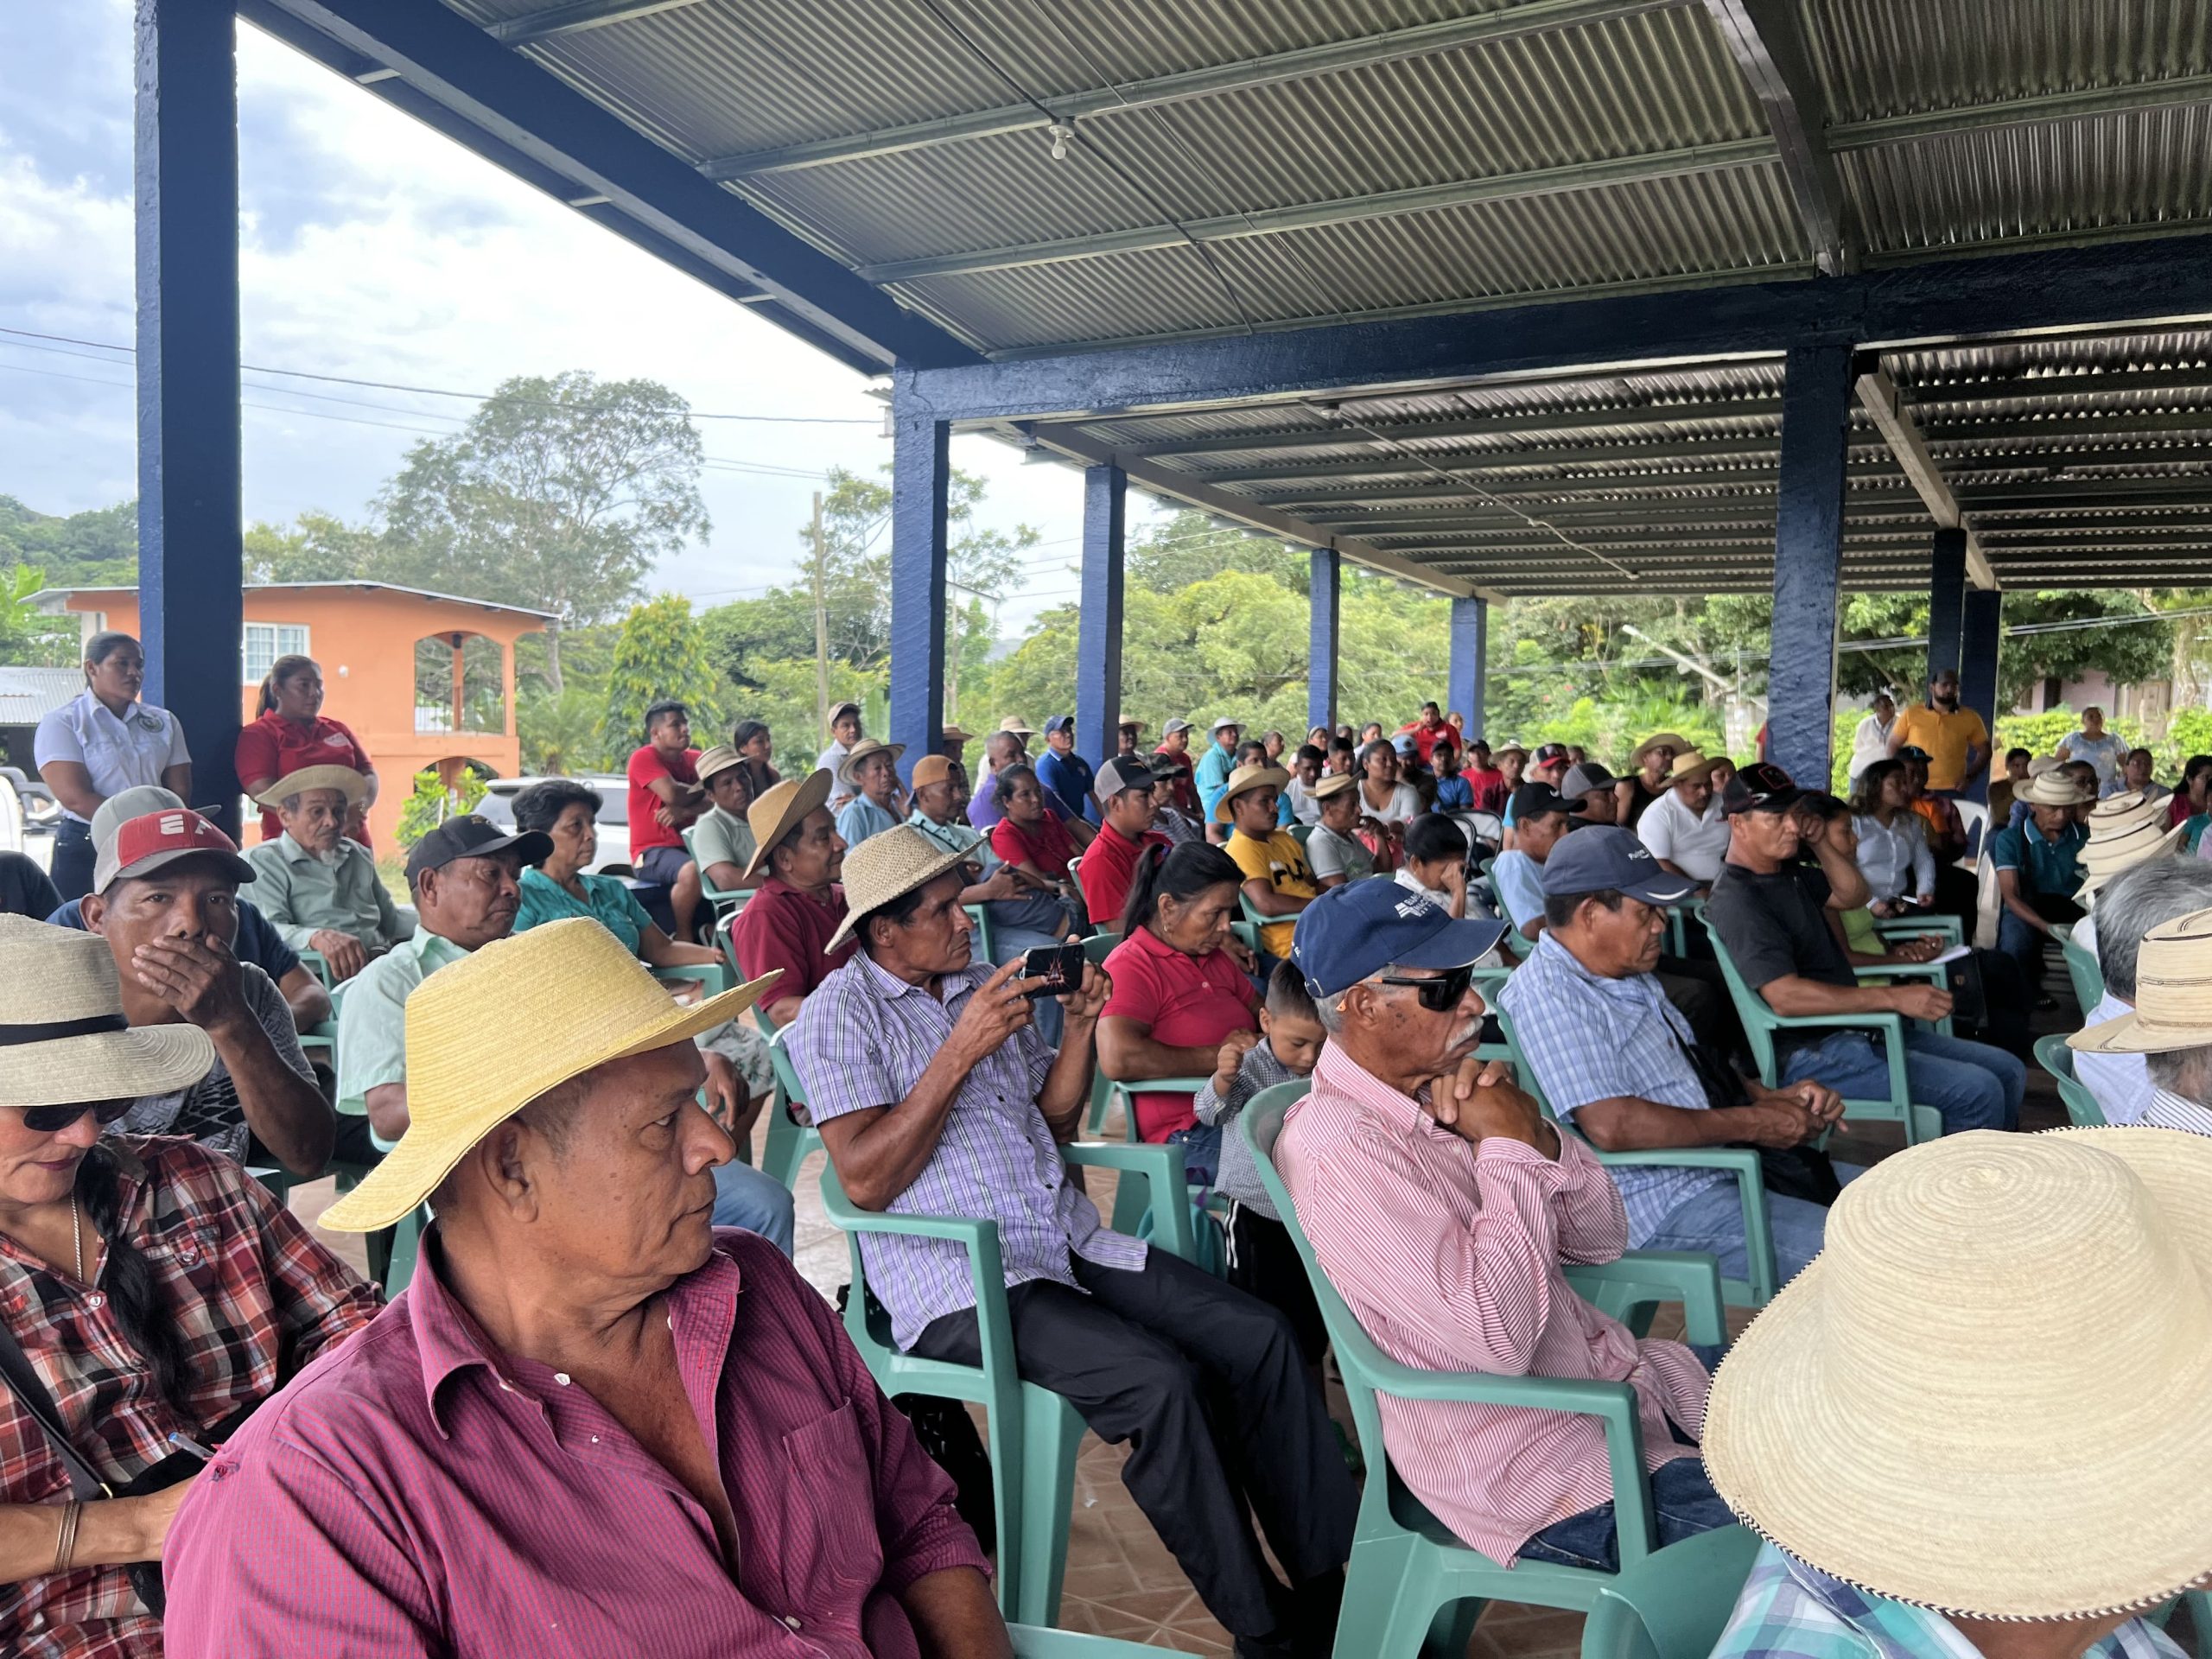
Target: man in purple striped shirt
592, 1424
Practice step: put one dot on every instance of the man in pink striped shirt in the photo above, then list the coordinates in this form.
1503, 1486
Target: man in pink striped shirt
1445, 1224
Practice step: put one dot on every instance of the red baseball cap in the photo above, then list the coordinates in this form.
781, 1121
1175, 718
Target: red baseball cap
143, 845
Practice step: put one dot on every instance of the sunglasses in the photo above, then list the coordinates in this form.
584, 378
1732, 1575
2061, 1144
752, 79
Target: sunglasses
52, 1119
1438, 995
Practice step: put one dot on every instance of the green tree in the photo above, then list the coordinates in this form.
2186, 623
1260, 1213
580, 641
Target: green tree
314, 547
661, 652
95, 548
28, 636
559, 732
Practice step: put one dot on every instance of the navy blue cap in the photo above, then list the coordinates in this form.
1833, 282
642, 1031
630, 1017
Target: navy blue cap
1059, 723
1603, 858
1354, 931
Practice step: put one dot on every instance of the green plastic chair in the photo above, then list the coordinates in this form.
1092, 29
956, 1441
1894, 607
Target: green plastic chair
1298, 832
1944, 927
789, 1144
1675, 1603
1761, 1024
1412, 1588
725, 901
1032, 1433
2082, 968
2081, 1108
1033, 1641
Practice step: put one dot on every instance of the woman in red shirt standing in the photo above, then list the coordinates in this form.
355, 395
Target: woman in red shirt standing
293, 732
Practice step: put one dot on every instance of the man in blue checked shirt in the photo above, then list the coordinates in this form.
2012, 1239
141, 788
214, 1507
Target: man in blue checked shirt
1611, 1057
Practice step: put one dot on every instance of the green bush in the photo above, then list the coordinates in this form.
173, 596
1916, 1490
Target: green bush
2042, 733
432, 803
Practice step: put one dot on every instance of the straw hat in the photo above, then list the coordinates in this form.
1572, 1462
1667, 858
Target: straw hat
1335, 783
781, 808
2052, 789
954, 734
470, 1066
2115, 853
2173, 994
2124, 811
883, 867
721, 757
1689, 763
861, 751
1127, 723
1019, 727
1982, 1396
61, 984
1673, 740
347, 781
1245, 779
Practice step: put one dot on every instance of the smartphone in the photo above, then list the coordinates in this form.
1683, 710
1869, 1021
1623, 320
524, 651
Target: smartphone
1059, 966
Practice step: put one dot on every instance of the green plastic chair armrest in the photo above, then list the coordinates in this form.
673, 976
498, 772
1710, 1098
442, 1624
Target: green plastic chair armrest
1743, 1163
1161, 1167
1689, 1277
1914, 927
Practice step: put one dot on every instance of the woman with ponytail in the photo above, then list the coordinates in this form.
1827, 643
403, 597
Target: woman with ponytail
102, 741
153, 1293
292, 733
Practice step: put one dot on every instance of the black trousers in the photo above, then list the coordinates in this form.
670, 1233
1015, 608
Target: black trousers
1206, 1385
1263, 1260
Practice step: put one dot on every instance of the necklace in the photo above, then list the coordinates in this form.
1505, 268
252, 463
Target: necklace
77, 1236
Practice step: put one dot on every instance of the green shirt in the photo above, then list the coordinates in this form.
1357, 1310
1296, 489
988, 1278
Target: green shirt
720, 838
301, 895
372, 1016
607, 900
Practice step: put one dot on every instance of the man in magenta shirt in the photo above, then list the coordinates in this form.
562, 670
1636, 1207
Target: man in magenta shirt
664, 798
787, 925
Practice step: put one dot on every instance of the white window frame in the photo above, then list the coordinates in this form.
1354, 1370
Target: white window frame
281, 638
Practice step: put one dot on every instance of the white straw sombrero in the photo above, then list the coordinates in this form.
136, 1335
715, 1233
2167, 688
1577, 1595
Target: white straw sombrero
781, 808
2124, 811
2173, 994
63, 1036
1985, 1395
2052, 788
887, 865
488, 1034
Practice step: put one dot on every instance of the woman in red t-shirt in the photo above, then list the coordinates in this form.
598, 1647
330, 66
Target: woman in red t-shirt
1177, 992
292, 733
1027, 837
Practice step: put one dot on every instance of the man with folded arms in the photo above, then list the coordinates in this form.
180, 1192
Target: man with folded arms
318, 888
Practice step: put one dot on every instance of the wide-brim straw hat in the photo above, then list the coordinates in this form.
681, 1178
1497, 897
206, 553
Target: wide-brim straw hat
1017, 726
719, 759
58, 979
2173, 995
886, 866
2053, 788
1984, 1396
781, 808
347, 781
1245, 779
1673, 740
1129, 722
861, 751
1690, 763
2104, 856
1335, 783
470, 1067
2124, 811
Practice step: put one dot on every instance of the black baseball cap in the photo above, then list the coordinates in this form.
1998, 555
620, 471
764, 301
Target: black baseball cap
1913, 751
474, 836
1546, 753
1603, 858
1533, 800
1761, 788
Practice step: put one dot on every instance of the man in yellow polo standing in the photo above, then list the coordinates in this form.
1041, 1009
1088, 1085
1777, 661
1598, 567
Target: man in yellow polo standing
1955, 738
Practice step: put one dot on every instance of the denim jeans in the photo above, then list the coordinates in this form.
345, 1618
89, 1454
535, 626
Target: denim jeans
1972, 1085
1683, 1504
759, 1204
1712, 1222
73, 860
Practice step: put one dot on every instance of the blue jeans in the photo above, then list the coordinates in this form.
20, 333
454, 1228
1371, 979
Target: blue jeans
73, 860
1972, 1085
1683, 1504
759, 1204
1712, 1223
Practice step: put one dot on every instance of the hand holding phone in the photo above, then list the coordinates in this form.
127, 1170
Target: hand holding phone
1057, 970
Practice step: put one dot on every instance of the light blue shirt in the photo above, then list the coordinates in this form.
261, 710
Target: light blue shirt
1212, 777
2121, 1083
862, 818
1518, 880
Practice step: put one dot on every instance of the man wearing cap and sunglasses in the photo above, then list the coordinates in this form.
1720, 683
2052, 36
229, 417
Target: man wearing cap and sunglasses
1444, 1219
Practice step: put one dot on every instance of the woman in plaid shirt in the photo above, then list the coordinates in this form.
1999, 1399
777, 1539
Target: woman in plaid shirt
154, 1287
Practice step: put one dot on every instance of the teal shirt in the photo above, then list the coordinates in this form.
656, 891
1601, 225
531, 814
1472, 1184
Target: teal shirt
606, 901
956, 837
372, 1016
300, 896
1212, 776
2044, 865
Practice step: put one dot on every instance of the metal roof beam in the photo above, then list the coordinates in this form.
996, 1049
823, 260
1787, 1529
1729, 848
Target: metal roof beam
1349, 210
2022, 111
1878, 395
1387, 463
1450, 35
1473, 426
1764, 38
576, 17
1761, 477
520, 107
2012, 385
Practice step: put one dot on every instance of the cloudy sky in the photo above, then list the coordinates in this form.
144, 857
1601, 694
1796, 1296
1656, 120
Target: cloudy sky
375, 249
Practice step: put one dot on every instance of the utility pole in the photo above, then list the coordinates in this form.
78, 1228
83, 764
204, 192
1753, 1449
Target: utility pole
821, 629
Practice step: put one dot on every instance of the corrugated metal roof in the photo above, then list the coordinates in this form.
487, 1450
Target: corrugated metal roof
30, 695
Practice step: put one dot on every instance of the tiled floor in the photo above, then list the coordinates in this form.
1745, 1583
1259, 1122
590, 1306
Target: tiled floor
1120, 1581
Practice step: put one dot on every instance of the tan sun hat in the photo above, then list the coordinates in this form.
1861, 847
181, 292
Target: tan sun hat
719, 759
347, 781
1690, 763
2124, 811
1673, 740
861, 751
1335, 783
883, 867
589, 1001
2113, 853
1244, 778
1019, 727
781, 808
2173, 994
2053, 788
1982, 1396
63, 1030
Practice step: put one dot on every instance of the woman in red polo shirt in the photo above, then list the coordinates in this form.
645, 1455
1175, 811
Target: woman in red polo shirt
1177, 992
1027, 837
293, 732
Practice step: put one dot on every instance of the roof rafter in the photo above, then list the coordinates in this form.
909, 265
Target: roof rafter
1764, 38
1504, 425
1878, 395
2021, 111
575, 17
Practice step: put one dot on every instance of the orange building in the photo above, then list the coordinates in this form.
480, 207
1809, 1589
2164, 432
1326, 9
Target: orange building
426, 680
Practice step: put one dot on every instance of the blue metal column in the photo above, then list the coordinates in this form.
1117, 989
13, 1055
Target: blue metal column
1980, 638
1469, 661
1098, 626
192, 608
1326, 585
1946, 591
921, 467
1808, 561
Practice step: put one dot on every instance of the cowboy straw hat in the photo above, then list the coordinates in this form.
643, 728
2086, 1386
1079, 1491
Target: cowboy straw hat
781, 808
861, 751
1929, 1411
1335, 783
347, 781
886, 866
1244, 778
2123, 811
2104, 857
1673, 740
2173, 994
719, 759
1689, 763
1017, 726
64, 981
2052, 789
1126, 721
470, 1067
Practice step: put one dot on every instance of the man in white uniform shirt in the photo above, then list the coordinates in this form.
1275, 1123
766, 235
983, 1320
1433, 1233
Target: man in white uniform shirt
1685, 828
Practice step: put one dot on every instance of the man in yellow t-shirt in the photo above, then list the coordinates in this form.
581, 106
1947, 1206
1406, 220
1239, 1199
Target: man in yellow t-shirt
1278, 881
1955, 739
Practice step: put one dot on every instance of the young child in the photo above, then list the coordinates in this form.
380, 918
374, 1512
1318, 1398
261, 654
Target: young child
1262, 1257
1436, 863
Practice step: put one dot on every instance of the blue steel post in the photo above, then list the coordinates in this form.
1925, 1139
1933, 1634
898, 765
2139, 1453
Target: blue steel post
1979, 638
1469, 661
191, 610
920, 467
1808, 561
1326, 578
1098, 627
1946, 591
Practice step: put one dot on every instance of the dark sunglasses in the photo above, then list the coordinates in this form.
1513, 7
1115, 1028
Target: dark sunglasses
52, 1119
1438, 995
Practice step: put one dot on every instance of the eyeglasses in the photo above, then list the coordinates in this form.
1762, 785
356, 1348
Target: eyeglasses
52, 1119
1438, 995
